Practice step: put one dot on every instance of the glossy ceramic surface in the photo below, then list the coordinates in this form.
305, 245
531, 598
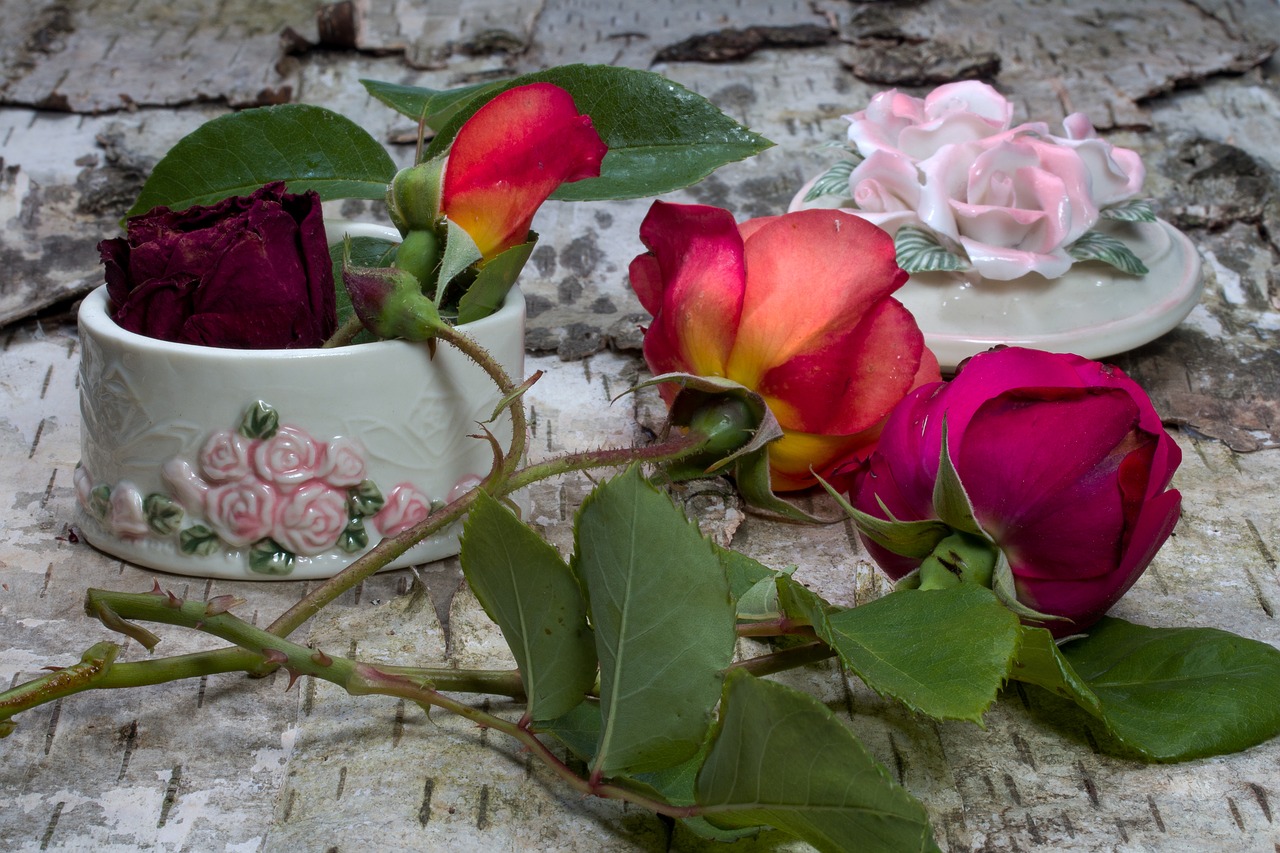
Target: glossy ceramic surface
277, 464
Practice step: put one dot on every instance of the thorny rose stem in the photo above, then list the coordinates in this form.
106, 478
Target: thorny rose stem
262, 651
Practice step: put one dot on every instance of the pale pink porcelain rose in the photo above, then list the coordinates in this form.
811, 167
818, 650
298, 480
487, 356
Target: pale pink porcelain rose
886, 188
342, 463
225, 457
1115, 174
405, 507
309, 519
125, 515
1013, 201
290, 457
918, 127
242, 512
188, 486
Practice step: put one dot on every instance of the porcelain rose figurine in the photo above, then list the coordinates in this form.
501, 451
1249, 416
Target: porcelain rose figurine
964, 190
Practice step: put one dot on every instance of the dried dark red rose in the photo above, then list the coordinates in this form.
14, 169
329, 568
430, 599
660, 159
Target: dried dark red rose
251, 272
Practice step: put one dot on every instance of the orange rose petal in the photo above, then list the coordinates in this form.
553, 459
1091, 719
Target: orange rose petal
808, 272
508, 157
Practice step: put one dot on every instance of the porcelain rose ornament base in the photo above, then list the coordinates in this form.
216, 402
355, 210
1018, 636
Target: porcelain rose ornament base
1012, 234
275, 464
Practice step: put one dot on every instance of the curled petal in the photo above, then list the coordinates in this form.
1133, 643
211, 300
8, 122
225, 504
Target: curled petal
692, 282
510, 156
851, 378
810, 272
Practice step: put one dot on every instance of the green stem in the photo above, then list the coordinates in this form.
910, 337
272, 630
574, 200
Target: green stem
786, 659
346, 333
356, 677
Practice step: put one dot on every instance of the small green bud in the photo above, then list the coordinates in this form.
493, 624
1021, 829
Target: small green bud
727, 422
413, 197
960, 557
419, 253
390, 302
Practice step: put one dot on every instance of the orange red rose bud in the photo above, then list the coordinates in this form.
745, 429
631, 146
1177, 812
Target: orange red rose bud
510, 156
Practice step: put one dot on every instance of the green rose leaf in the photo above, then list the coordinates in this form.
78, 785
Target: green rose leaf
364, 499
661, 136
164, 515
527, 589
781, 758
834, 181
942, 652
1134, 210
354, 536
1040, 662
308, 147
919, 250
432, 106
1175, 694
267, 557
742, 571
664, 624
198, 541
260, 420
1096, 246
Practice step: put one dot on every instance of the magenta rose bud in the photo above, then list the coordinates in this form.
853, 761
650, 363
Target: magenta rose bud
251, 272
1066, 466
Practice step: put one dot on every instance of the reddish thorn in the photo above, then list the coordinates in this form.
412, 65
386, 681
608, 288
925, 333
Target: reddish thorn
319, 658
174, 601
294, 675
155, 588
220, 604
274, 656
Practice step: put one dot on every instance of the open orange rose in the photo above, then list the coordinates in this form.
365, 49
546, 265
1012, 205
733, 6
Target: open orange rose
796, 307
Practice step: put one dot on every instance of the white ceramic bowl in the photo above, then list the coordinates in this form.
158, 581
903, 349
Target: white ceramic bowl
270, 464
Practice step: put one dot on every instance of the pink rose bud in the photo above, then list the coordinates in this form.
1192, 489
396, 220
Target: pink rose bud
1064, 462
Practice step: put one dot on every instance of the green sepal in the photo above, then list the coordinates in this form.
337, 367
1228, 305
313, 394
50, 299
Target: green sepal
390, 301
960, 558
1006, 589
494, 281
460, 252
413, 196
914, 539
419, 254
950, 501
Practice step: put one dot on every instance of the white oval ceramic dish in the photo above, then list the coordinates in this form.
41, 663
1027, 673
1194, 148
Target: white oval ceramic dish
278, 464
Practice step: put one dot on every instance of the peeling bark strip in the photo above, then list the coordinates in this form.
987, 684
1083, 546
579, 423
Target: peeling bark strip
1102, 57
730, 45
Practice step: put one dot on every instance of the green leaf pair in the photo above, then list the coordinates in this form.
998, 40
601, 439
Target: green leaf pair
661, 137
650, 601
